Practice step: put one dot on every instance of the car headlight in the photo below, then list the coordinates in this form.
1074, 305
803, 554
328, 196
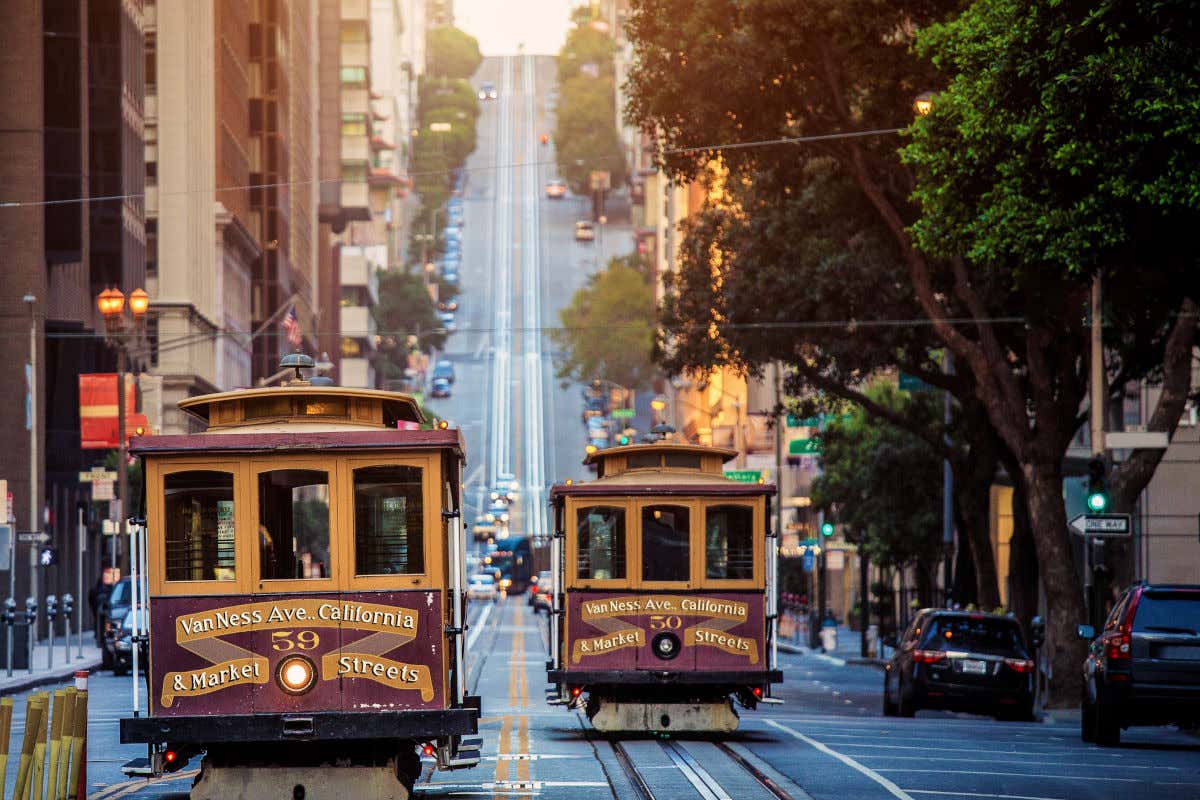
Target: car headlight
505, 583
296, 674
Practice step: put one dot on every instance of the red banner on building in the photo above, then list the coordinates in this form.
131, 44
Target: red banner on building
98, 411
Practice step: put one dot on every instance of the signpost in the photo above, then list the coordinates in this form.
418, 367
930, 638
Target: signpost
623, 413
744, 475
32, 537
804, 447
1102, 525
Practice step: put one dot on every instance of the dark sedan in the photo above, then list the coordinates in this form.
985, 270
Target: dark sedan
960, 661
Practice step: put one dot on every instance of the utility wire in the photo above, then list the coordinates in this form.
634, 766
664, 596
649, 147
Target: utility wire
713, 148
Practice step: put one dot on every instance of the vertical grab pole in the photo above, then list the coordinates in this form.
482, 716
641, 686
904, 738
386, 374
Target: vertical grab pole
555, 579
456, 584
135, 585
773, 592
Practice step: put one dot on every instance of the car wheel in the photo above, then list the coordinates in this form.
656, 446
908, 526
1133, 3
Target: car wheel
1087, 718
1107, 727
889, 707
907, 707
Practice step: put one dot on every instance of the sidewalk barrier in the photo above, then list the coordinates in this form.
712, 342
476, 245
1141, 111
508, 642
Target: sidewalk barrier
51, 765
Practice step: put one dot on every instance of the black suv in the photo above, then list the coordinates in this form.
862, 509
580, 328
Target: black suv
962, 661
1144, 667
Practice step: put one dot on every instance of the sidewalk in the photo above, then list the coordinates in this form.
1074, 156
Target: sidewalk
848, 650
65, 665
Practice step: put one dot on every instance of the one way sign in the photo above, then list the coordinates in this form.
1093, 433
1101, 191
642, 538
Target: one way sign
1115, 525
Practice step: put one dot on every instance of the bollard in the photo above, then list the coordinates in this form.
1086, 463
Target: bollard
872, 641
77, 780
64, 750
10, 619
38, 773
34, 711
56, 729
31, 606
6, 712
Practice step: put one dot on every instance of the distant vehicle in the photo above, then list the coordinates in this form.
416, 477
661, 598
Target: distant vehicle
507, 487
585, 231
961, 661
556, 189
450, 306
545, 138
120, 645
514, 563
539, 591
444, 368
597, 442
487, 91
499, 510
1144, 667
450, 274
440, 387
112, 614
452, 233
447, 318
482, 586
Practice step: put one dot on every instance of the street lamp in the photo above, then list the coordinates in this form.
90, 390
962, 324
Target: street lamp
923, 103
121, 334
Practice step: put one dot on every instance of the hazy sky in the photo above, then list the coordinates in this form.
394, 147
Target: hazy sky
500, 25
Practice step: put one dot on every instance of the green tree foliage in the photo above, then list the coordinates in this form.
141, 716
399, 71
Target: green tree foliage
1011, 310
451, 53
586, 136
898, 523
608, 329
404, 309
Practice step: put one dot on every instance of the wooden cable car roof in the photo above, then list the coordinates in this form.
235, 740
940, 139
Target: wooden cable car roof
626, 471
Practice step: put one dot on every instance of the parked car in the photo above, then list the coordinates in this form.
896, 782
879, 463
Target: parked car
482, 586
1144, 667
444, 368
584, 231
120, 646
487, 91
556, 189
112, 614
960, 661
439, 387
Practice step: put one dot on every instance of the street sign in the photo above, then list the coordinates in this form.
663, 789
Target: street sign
1102, 525
623, 413
103, 490
744, 475
5, 547
804, 447
808, 561
32, 537
97, 474
1133, 440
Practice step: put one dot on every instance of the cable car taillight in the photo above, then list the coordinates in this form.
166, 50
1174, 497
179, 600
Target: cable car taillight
427, 749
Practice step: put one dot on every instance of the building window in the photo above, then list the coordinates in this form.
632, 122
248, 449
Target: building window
389, 521
354, 171
355, 125
354, 77
601, 532
293, 524
199, 526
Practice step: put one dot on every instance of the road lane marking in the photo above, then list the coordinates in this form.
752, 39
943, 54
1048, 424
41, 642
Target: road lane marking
981, 794
892, 788
474, 635
1028, 775
977, 760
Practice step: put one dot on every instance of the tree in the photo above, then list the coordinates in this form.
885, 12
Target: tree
1015, 325
585, 45
586, 136
404, 309
451, 53
896, 523
608, 329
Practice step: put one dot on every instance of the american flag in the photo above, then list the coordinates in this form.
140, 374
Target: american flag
291, 326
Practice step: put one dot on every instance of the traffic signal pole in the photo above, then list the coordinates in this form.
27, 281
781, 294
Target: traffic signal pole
33, 454
1096, 429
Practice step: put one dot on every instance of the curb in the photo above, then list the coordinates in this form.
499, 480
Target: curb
878, 663
43, 679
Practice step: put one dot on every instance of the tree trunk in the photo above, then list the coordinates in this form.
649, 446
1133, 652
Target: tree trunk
972, 494
1022, 560
1064, 591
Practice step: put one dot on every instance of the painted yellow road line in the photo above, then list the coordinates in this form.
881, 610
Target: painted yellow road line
523, 748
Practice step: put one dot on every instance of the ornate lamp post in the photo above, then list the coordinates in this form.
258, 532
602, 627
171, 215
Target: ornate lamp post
121, 334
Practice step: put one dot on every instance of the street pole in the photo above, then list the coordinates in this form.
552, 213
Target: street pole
821, 574
1096, 429
947, 494
122, 448
80, 544
864, 602
780, 420
33, 454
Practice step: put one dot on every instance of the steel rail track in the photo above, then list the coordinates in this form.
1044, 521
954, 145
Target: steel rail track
700, 778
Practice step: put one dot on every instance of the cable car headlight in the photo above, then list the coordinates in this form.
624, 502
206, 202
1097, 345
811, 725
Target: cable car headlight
296, 674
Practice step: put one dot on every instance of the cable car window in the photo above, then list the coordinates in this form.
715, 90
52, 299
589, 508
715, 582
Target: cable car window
389, 521
199, 526
293, 524
643, 460
601, 542
686, 460
729, 542
665, 546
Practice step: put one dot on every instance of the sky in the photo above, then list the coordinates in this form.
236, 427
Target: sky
502, 25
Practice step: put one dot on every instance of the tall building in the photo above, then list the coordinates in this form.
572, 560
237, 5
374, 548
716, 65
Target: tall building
231, 145
71, 178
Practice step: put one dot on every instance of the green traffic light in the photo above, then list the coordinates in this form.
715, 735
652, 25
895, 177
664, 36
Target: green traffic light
827, 529
1097, 501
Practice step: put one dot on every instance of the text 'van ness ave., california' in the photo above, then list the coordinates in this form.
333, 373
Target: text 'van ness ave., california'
313, 612
665, 604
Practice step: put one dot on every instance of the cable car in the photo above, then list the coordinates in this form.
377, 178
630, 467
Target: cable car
304, 558
665, 583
